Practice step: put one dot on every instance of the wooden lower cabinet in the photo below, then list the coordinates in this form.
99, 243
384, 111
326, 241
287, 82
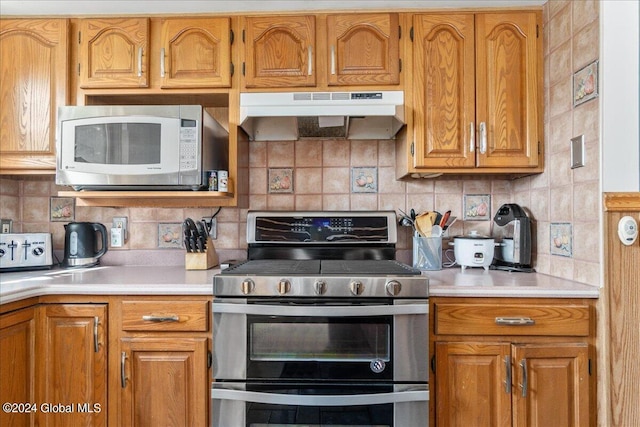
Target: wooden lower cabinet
162, 382
501, 384
73, 354
17, 365
512, 362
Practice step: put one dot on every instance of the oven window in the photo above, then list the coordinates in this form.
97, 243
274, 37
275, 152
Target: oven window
274, 415
118, 143
328, 341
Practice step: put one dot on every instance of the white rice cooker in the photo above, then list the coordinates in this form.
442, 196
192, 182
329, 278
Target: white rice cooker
473, 250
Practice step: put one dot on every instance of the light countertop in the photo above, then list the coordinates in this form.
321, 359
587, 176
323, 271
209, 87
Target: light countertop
175, 280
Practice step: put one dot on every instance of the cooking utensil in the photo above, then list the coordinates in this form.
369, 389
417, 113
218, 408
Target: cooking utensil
424, 223
444, 219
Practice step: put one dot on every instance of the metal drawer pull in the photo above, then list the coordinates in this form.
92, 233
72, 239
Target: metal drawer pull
320, 400
507, 366
152, 318
123, 378
139, 62
331, 311
515, 321
483, 137
472, 137
162, 72
310, 59
96, 321
524, 385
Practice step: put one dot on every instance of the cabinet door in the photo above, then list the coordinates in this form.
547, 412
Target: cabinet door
17, 369
195, 53
34, 68
165, 381
444, 95
73, 348
509, 89
551, 385
472, 384
363, 49
114, 53
280, 51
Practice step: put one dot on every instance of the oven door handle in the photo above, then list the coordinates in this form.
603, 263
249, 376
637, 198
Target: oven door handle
320, 310
320, 400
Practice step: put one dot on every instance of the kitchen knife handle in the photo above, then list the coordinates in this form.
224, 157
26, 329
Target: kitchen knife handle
140, 62
96, 321
310, 58
162, 70
152, 318
123, 378
483, 137
472, 137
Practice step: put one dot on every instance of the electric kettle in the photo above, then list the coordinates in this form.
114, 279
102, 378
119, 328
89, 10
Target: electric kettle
80, 242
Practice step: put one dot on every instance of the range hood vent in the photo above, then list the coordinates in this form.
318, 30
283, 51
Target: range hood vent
290, 116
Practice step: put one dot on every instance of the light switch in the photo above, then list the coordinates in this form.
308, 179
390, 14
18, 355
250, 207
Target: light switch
577, 152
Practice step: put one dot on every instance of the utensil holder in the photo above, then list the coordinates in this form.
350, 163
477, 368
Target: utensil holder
427, 253
202, 260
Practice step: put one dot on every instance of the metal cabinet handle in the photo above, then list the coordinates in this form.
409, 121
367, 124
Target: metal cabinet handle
152, 318
483, 137
96, 321
310, 57
524, 385
123, 378
507, 366
139, 62
515, 321
333, 59
472, 137
162, 62
328, 311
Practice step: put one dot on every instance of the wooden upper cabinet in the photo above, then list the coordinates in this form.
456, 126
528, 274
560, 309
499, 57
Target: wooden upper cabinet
34, 68
444, 95
363, 49
280, 51
195, 53
477, 89
508, 89
114, 53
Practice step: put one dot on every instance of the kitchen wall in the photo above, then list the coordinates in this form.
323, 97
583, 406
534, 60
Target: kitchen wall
322, 177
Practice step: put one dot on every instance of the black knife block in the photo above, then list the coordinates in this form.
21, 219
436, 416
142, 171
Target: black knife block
202, 260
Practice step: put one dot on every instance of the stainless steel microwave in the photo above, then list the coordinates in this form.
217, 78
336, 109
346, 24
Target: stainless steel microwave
149, 147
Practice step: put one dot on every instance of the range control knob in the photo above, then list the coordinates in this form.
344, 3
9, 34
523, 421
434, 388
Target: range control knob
356, 287
247, 286
393, 287
320, 287
284, 286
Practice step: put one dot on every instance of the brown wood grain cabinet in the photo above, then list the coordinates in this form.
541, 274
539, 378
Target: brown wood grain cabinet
321, 50
477, 93
513, 362
17, 369
34, 68
164, 354
72, 345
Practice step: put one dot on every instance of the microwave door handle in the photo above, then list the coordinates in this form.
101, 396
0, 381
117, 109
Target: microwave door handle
320, 400
323, 311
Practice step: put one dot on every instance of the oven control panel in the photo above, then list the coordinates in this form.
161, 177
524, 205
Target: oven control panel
321, 227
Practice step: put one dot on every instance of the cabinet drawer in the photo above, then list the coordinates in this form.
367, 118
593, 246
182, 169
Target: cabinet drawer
165, 316
511, 319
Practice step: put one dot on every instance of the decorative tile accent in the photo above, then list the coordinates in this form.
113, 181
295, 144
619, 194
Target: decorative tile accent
364, 180
561, 239
280, 180
170, 235
62, 208
477, 207
585, 84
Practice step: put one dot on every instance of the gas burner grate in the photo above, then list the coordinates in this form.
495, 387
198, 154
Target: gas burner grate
270, 267
273, 267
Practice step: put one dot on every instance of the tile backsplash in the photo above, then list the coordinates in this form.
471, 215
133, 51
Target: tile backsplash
321, 177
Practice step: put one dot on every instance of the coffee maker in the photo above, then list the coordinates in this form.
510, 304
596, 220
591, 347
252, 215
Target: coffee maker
512, 232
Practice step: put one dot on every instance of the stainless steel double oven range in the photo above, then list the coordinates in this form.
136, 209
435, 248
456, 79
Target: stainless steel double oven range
320, 326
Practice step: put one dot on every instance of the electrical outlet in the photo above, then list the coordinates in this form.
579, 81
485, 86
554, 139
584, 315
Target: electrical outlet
212, 227
6, 225
119, 223
577, 152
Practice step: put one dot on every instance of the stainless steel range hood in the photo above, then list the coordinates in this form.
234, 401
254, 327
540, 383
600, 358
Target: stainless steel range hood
290, 116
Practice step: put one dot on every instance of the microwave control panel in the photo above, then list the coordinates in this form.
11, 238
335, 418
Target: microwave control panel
188, 145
